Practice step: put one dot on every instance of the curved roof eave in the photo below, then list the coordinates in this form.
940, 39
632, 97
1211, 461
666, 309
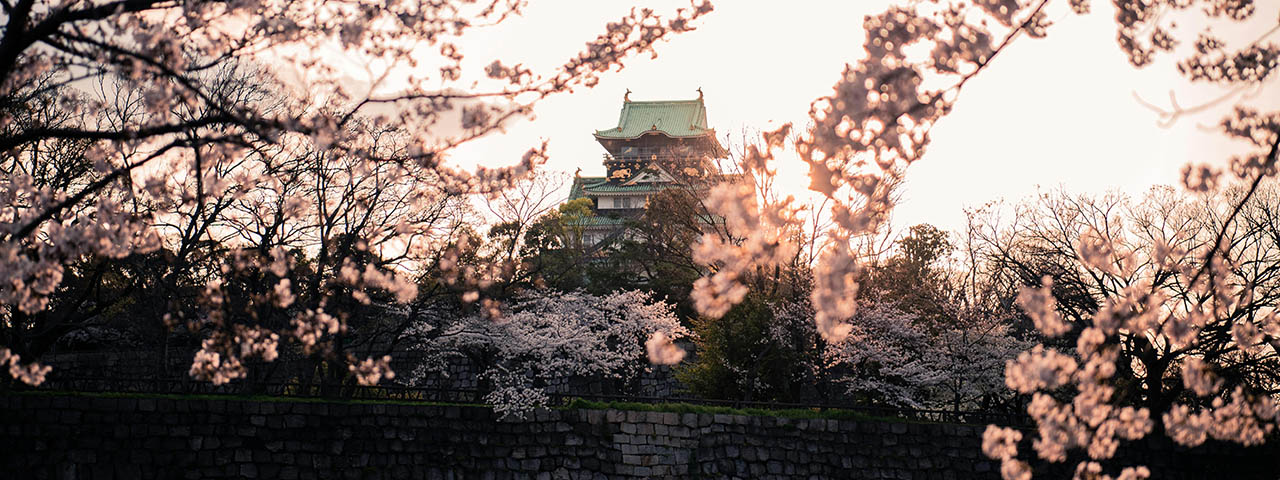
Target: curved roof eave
708, 133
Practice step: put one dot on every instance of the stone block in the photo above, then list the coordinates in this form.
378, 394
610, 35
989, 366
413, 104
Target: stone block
102, 471
615, 416
731, 451
71, 417
82, 456
774, 467
544, 415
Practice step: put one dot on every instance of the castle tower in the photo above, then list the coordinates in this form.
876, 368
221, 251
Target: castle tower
652, 140
651, 137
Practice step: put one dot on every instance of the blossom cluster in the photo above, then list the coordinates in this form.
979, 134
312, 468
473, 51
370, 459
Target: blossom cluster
756, 237
371, 371
31, 374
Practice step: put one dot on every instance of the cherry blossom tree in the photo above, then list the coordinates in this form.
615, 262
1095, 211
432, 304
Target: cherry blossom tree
1040, 242
1154, 335
548, 335
892, 357
230, 244
339, 250
973, 353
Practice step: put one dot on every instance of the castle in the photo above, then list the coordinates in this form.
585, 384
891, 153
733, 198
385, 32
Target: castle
655, 145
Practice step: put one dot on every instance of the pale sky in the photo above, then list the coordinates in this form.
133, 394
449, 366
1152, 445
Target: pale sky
1048, 112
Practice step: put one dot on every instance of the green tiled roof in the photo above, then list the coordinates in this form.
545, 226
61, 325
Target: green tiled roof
583, 185
675, 118
606, 187
575, 191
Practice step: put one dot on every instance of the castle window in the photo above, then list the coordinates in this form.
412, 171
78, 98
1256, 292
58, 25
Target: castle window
626, 202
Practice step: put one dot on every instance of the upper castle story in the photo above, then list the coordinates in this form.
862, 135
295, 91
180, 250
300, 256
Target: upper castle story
651, 138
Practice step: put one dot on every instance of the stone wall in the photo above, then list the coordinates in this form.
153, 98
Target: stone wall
60, 436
